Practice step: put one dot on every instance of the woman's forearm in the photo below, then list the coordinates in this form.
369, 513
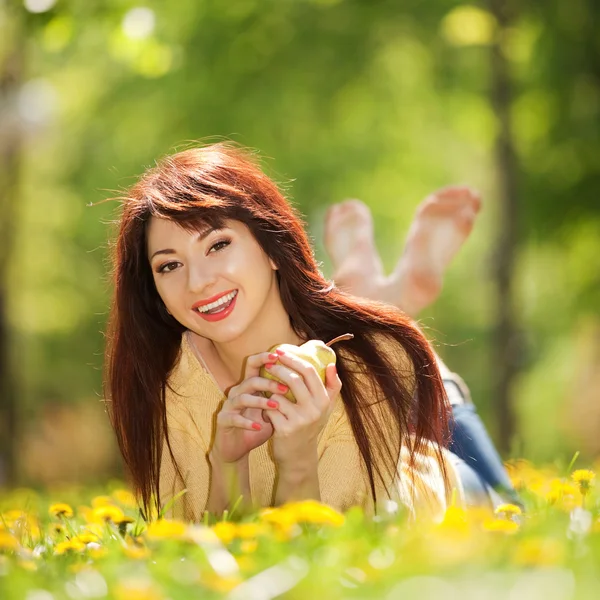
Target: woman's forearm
227, 482
298, 482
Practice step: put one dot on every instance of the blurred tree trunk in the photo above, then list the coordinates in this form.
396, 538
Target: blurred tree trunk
11, 78
505, 339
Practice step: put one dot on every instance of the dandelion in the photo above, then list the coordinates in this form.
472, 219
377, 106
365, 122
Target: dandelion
28, 565
508, 511
60, 509
165, 529
455, 519
8, 541
248, 546
133, 589
584, 478
57, 529
136, 551
539, 552
311, 511
100, 501
73, 545
562, 494
124, 497
248, 531
500, 526
225, 531
108, 513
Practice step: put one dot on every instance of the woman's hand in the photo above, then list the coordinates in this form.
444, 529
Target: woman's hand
297, 426
241, 426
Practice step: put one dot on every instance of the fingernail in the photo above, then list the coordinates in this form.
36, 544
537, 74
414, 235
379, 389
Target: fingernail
272, 404
269, 365
273, 357
256, 426
282, 387
280, 352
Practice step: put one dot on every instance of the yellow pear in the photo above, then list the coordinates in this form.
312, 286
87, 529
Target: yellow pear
316, 352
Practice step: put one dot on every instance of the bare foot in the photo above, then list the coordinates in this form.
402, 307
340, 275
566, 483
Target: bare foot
442, 223
350, 243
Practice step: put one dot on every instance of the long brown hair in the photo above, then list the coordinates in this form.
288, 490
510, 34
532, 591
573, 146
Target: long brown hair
209, 185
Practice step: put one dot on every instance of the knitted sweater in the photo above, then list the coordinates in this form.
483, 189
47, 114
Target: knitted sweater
193, 401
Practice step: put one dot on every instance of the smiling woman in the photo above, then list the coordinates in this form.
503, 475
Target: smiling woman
212, 268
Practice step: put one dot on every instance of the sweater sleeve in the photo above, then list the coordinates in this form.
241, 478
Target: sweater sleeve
190, 469
341, 479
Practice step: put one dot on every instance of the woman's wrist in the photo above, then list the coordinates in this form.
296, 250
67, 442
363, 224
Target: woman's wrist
228, 481
298, 480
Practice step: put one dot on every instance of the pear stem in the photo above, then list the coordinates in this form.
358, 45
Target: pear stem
339, 338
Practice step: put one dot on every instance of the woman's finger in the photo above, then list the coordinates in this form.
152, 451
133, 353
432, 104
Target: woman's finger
239, 403
255, 362
294, 381
258, 384
306, 370
236, 420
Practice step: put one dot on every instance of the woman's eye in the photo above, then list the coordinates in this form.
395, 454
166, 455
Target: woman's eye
220, 245
167, 267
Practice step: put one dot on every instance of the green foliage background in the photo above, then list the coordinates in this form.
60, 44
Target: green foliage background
375, 99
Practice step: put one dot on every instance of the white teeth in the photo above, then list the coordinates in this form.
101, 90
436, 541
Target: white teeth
219, 302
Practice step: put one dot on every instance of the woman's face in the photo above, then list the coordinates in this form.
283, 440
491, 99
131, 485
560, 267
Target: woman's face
191, 267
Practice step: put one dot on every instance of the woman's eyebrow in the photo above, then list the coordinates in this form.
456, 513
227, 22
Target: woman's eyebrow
201, 235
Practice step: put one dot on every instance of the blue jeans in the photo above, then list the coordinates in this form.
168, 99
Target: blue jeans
479, 465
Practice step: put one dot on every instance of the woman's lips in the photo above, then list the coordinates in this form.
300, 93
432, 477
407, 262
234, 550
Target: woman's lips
219, 316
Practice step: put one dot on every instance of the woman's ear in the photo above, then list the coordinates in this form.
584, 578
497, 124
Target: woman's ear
273, 265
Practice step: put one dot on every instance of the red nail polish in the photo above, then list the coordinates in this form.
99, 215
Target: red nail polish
269, 365
256, 426
273, 357
272, 404
282, 387
280, 352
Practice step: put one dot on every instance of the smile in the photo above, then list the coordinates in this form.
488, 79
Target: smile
219, 309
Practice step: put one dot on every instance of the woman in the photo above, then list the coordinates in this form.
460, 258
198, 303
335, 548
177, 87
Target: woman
212, 269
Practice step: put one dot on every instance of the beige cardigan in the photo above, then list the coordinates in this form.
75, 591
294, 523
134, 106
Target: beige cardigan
193, 403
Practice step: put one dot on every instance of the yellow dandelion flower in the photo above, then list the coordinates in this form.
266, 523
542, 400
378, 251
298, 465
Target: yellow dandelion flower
584, 478
248, 546
97, 552
563, 495
108, 513
8, 541
136, 551
60, 509
28, 565
225, 531
455, 515
136, 590
501, 526
73, 545
87, 537
125, 497
311, 511
96, 529
539, 552
277, 516
100, 501
508, 511
248, 531
12, 517
165, 528
221, 584
57, 529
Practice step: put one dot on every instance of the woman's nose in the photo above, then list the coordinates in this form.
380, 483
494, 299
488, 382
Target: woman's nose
200, 278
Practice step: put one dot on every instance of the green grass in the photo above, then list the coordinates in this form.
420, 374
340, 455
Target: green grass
303, 550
